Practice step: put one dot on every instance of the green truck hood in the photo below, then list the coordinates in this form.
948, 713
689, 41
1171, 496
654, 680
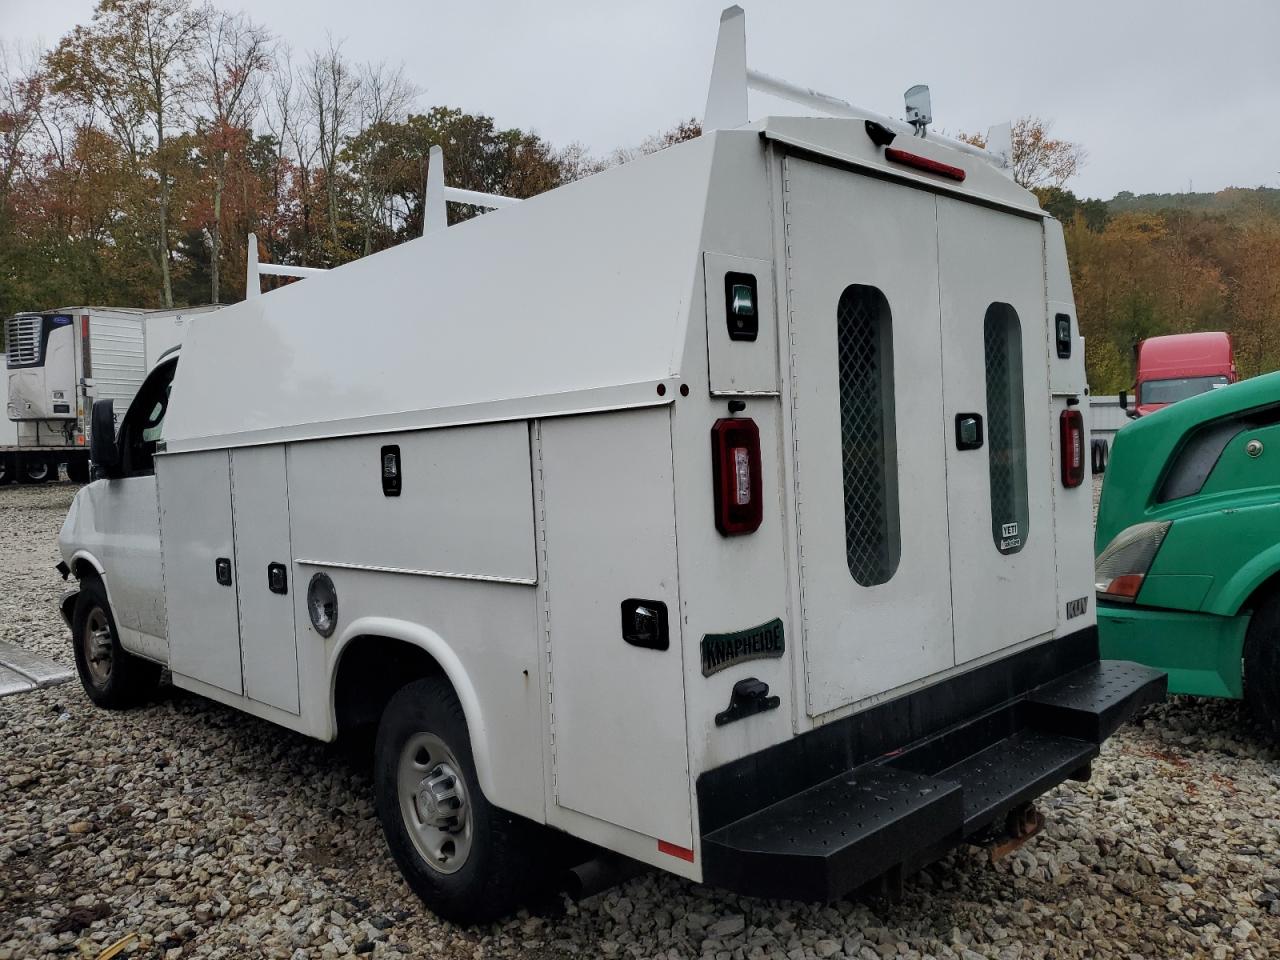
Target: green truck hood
1143, 450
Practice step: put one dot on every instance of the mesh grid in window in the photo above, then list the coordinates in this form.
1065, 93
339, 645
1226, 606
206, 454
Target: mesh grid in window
864, 350
1006, 428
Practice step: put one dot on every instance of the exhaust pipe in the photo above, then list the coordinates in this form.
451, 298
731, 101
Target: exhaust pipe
594, 876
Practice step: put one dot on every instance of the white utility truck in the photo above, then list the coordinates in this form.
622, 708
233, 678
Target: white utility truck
725, 510
58, 363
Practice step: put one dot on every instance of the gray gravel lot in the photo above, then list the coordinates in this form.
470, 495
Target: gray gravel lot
211, 834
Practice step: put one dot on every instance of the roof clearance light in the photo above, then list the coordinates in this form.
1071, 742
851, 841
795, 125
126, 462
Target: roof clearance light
925, 164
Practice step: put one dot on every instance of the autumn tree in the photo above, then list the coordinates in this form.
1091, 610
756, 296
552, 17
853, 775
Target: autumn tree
135, 62
233, 55
1039, 160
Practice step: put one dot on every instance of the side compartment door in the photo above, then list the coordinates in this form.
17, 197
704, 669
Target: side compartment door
1003, 581
866, 396
198, 553
264, 569
618, 713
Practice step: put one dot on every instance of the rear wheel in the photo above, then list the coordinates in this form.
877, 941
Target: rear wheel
467, 860
1262, 665
112, 677
34, 470
6, 469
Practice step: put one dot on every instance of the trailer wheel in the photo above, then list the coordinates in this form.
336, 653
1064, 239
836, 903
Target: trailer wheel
112, 677
1262, 665
35, 470
468, 861
1099, 452
6, 469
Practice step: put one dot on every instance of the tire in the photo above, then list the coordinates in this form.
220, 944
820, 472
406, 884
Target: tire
112, 677
78, 471
1262, 665
468, 861
6, 470
35, 470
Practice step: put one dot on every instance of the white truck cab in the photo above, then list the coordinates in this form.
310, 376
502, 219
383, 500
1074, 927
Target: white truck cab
724, 510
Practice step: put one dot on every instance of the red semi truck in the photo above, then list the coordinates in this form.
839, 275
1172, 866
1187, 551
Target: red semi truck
1178, 366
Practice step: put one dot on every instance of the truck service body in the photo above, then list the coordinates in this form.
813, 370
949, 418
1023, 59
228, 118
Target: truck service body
58, 363
722, 495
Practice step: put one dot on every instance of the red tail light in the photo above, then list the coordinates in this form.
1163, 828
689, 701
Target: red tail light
735, 466
1073, 459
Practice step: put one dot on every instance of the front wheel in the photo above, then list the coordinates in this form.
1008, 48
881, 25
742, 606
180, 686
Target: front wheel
1262, 665
111, 676
468, 861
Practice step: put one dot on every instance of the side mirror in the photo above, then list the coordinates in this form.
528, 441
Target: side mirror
103, 450
1123, 397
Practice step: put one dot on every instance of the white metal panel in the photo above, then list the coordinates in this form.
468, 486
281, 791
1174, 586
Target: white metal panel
126, 513
195, 530
585, 286
740, 366
117, 356
989, 257
465, 507
1066, 374
268, 647
617, 710
8, 428
843, 229
164, 332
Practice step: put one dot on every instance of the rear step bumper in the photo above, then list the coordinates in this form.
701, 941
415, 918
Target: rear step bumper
903, 810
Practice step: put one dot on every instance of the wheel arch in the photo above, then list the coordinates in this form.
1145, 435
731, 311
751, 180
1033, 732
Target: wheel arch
1244, 588
367, 642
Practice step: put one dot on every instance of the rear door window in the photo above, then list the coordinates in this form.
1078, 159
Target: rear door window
864, 351
1006, 428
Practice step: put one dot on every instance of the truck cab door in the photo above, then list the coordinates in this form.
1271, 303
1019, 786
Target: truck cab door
126, 508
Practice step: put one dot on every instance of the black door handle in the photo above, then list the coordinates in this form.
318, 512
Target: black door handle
222, 570
277, 578
968, 431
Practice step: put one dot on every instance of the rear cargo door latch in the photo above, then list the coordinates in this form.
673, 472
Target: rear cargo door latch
968, 431
750, 696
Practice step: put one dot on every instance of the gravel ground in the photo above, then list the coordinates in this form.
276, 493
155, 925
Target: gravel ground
211, 834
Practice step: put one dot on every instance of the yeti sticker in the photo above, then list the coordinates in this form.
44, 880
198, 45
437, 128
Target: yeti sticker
1009, 539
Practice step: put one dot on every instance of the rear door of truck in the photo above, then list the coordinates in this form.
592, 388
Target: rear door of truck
921, 508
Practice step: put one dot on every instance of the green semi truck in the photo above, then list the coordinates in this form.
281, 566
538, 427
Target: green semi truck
1187, 545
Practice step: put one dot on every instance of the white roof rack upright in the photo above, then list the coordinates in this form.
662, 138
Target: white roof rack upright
731, 78
434, 215
434, 218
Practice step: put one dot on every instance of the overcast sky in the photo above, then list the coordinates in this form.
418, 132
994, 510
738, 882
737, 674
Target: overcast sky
1162, 94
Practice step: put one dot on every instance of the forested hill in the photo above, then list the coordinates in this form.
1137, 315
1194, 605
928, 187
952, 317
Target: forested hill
1151, 264
1229, 202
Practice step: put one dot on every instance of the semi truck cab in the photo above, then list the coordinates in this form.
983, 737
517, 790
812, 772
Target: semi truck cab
1178, 366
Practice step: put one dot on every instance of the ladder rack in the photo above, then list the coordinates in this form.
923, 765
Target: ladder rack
731, 78
434, 217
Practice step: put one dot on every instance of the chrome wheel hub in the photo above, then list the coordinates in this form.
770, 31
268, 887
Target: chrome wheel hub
434, 803
99, 653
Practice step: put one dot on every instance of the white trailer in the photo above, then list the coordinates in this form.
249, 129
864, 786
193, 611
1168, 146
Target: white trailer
724, 510
58, 363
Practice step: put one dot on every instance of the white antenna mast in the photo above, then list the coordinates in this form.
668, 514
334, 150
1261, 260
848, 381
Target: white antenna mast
731, 78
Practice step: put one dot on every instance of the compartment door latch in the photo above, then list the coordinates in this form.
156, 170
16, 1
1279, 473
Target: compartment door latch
750, 696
